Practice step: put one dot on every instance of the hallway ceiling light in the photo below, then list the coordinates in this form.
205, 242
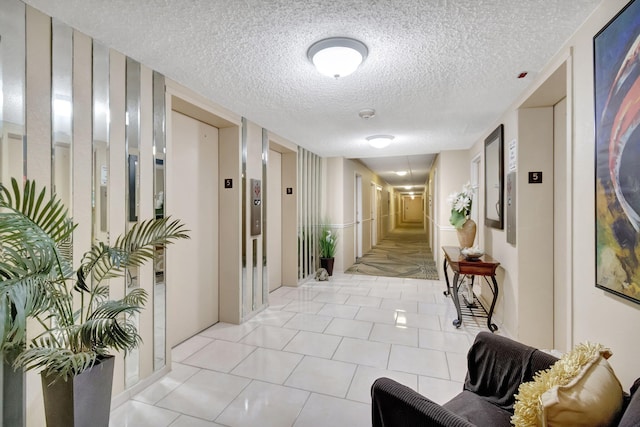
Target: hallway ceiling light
401, 173
380, 141
407, 187
337, 56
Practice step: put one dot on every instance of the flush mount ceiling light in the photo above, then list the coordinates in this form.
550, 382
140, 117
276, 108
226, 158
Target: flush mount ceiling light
380, 141
401, 173
337, 56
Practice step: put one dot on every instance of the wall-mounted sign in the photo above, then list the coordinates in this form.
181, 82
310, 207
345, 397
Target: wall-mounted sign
228, 183
513, 156
289, 190
535, 177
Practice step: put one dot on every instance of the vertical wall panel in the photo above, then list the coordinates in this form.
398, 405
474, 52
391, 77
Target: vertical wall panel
265, 201
38, 96
231, 268
146, 210
117, 179
309, 195
38, 124
243, 183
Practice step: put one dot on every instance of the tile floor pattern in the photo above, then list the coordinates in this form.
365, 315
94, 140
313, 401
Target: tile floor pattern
311, 357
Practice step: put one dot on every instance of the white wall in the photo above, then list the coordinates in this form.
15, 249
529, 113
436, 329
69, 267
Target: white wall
453, 170
598, 316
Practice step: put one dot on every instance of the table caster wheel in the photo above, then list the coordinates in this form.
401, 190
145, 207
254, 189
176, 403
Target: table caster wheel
446, 293
457, 323
493, 327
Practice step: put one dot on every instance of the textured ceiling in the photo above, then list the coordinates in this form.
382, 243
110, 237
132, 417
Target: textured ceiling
439, 72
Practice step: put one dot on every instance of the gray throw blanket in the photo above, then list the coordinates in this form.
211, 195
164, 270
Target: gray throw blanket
496, 368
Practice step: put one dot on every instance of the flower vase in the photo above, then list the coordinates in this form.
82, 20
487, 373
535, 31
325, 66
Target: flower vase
467, 234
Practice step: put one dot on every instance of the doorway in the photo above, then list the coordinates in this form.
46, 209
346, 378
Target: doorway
374, 216
545, 139
412, 209
192, 298
358, 203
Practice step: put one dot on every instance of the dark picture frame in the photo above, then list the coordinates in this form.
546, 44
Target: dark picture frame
494, 179
617, 154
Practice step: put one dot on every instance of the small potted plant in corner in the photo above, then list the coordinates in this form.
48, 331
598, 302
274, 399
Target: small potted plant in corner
327, 240
75, 320
460, 210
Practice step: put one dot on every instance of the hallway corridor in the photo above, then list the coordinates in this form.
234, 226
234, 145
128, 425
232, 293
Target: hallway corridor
404, 252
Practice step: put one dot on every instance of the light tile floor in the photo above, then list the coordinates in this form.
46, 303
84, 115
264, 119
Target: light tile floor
311, 357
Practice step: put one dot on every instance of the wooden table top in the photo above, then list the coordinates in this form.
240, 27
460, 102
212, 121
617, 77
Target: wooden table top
482, 266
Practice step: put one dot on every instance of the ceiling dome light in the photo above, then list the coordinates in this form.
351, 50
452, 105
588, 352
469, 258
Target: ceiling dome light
380, 141
401, 173
337, 56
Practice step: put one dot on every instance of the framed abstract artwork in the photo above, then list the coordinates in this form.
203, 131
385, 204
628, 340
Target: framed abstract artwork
617, 153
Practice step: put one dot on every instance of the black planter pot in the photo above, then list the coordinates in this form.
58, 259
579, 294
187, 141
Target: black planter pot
13, 396
82, 400
327, 264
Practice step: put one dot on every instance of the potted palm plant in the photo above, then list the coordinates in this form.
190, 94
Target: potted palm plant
77, 323
327, 241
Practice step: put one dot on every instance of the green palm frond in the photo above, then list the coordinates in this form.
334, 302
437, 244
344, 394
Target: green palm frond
59, 361
29, 257
37, 280
131, 249
49, 215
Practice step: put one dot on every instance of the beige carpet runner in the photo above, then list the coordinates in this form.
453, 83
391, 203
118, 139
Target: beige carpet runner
404, 252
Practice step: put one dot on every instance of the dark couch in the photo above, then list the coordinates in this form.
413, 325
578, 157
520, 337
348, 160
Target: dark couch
496, 368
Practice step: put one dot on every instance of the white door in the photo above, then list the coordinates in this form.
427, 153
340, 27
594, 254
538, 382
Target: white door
358, 202
274, 222
192, 270
374, 217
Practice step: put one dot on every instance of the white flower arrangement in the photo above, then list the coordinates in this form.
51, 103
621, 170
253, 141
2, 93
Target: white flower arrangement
461, 205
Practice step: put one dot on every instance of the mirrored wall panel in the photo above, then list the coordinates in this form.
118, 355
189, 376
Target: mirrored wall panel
132, 196
101, 122
12, 86
62, 118
12, 165
309, 175
159, 289
62, 110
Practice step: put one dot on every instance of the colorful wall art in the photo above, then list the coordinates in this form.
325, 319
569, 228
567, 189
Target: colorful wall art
617, 174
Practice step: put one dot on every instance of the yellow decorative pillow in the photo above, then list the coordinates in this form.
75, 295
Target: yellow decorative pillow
579, 390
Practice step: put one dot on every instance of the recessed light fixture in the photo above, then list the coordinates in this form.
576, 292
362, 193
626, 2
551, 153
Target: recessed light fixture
367, 113
380, 141
337, 56
407, 187
401, 173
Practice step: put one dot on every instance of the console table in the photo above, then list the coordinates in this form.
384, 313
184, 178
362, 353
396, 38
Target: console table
485, 267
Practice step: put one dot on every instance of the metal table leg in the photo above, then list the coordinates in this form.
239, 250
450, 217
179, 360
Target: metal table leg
457, 322
446, 278
492, 326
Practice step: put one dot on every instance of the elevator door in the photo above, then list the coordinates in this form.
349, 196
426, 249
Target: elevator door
192, 269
